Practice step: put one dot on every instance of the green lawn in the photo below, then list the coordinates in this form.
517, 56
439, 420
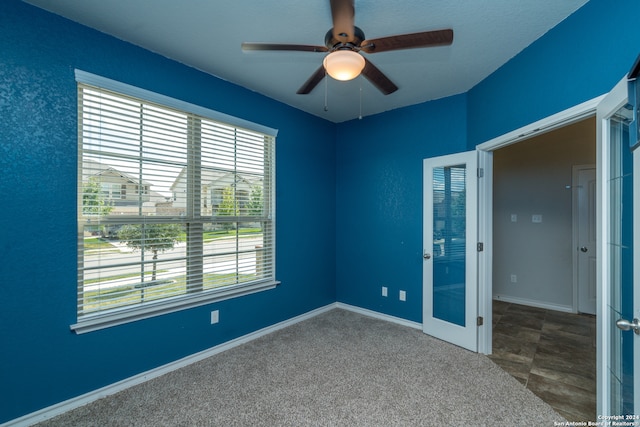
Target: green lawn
94, 243
129, 295
218, 234
97, 243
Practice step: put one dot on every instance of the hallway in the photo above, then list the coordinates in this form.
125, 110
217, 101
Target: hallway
552, 353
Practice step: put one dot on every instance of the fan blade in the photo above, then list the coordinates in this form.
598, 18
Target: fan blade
312, 82
343, 13
408, 41
379, 80
291, 47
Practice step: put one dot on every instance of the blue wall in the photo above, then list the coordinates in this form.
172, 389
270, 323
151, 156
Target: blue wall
41, 361
580, 59
379, 201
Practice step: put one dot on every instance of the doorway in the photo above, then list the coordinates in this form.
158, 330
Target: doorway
535, 219
612, 353
537, 337
535, 197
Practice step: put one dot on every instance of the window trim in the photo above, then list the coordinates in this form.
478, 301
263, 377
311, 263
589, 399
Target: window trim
187, 107
118, 316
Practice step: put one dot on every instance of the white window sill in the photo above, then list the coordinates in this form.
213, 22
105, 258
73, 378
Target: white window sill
94, 322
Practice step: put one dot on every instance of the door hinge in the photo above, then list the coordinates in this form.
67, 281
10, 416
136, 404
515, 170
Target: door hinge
480, 172
480, 246
480, 320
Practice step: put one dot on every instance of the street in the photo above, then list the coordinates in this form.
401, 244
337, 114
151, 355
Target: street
123, 261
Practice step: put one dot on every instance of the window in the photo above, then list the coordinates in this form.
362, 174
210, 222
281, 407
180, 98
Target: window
161, 247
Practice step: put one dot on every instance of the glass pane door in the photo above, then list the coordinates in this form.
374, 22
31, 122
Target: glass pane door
620, 256
618, 382
450, 257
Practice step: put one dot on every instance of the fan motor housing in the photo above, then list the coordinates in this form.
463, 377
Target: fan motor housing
333, 43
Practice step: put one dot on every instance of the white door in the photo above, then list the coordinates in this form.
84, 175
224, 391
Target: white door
450, 285
586, 247
618, 305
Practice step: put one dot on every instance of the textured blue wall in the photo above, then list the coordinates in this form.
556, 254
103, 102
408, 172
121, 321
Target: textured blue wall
581, 58
379, 201
41, 361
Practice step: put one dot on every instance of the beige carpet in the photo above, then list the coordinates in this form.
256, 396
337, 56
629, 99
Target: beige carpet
336, 369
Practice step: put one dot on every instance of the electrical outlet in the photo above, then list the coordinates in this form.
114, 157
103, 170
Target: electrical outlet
215, 316
536, 218
384, 291
403, 295
514, 278
514, 217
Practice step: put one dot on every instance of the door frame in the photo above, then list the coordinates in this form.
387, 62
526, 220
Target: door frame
485, 202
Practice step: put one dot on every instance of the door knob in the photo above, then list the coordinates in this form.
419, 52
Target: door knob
625, 325
584, 249
426, 255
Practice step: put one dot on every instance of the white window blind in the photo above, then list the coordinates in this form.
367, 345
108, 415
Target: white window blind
175, 209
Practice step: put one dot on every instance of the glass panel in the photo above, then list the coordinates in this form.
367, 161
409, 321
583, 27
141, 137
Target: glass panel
615, 367
134, 263
234, 253
449, 232
619, 250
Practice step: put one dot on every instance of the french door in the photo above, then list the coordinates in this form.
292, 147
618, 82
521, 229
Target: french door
450, 283
619, 292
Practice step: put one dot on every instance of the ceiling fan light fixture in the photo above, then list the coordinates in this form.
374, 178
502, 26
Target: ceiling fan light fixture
343, 65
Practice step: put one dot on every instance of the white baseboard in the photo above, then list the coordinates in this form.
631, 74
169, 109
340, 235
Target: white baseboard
534, 303
76, 402
371, 313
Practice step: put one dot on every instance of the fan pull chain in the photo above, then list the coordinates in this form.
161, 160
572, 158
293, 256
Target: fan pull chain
360, 116
326, 91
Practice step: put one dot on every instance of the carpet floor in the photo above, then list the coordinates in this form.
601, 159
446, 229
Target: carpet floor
336, 369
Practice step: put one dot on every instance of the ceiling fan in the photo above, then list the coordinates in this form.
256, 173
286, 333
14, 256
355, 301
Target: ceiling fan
345, 41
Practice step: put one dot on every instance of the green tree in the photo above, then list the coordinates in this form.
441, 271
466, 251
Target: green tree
256, 202
92, 202
228, 206
155, 238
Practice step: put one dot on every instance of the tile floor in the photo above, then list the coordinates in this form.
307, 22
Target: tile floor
552, 353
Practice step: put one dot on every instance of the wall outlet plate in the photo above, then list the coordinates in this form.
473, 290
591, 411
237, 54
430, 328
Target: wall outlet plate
403, 295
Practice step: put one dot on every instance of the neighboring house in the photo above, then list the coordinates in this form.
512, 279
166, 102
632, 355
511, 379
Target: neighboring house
125, 193
213, 184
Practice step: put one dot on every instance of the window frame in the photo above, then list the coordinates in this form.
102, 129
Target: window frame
88, 322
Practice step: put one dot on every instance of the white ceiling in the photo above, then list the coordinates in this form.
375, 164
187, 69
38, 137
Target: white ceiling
207, 34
